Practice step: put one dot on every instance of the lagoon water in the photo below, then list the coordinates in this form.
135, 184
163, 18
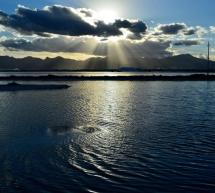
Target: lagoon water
99, 74
101, 136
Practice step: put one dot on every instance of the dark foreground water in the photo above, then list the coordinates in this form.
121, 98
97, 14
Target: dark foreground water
151, 137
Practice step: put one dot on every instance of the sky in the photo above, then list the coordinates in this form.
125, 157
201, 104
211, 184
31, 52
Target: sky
124, 29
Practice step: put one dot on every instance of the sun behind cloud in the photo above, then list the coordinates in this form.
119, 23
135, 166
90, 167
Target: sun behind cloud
61, 30
108, 16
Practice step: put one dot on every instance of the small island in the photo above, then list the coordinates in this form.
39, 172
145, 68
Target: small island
14, 86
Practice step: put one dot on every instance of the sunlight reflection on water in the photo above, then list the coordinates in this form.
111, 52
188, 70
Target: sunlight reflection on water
102, 136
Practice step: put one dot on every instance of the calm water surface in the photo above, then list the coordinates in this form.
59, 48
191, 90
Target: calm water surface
152, 137
64, 73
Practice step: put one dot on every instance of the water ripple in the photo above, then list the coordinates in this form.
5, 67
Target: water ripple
109, 137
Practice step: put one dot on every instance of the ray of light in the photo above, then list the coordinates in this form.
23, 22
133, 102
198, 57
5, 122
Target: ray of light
117, 57
97, 49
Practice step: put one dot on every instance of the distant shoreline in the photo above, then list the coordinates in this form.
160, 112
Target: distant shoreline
111, 70
193, 77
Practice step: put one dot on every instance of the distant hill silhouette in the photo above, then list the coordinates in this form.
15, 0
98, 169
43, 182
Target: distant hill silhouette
181, 62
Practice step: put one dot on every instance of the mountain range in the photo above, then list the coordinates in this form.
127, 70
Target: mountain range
184, 62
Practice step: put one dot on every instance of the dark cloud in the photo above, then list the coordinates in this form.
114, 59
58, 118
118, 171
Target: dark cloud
65, 21
122, 23
138, 28
58, 44
175, 28
154, 49
135, 36
18, 44
135, 26
171, 29
86, 12
187, 43
55, 19
106, 30
189, 32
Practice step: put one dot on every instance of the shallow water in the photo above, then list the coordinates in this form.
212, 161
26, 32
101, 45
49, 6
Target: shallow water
109, 137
